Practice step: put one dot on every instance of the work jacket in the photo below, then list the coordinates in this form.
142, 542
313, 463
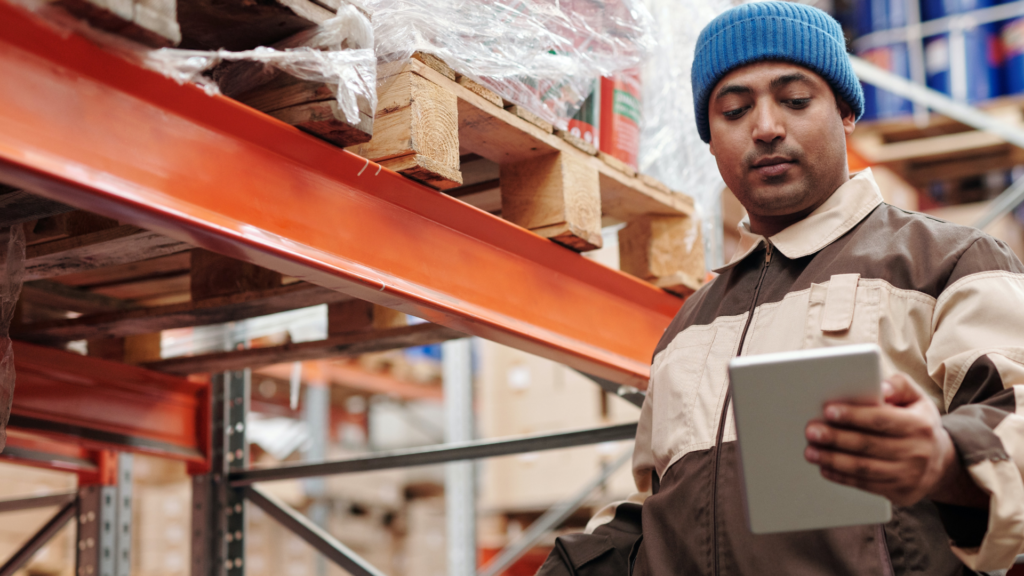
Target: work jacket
945, 304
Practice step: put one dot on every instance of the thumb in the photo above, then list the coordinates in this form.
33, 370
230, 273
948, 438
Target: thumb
898, 390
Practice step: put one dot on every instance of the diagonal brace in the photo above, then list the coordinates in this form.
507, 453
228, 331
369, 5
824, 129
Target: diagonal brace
39, 539
438, 454
314, 535
31, 502
551, 519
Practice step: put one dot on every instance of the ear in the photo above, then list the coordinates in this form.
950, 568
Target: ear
711, 146
847, 115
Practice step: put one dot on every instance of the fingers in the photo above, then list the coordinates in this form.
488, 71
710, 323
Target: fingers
885, 420
863, 469
855, 442
898, 390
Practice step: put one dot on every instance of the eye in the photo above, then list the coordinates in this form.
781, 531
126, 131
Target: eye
735, 112
798, 102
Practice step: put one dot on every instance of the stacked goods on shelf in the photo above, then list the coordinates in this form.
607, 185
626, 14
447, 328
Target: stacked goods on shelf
430, 126
423, 548
520, 394
1011, 38
585, 124
302, 63
873, 16
620, 117
162, 518
429, 117
965, 64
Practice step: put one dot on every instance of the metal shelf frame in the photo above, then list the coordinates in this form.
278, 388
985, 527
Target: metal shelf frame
90, 129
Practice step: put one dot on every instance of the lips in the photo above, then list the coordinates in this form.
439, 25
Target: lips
773, 166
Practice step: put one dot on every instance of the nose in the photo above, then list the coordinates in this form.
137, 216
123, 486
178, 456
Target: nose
769, 124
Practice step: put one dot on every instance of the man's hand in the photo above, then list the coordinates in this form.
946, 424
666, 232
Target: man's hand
897, 449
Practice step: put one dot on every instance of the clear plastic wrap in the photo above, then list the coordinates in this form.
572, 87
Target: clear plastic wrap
339, 52
540, 54
12, 268
670, 148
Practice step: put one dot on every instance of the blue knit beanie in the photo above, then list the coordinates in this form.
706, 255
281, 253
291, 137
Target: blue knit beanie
780, 31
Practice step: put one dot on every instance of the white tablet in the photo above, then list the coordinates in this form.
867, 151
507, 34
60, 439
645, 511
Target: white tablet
774, 397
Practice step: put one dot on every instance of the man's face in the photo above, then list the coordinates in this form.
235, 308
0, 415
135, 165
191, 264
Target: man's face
778, 139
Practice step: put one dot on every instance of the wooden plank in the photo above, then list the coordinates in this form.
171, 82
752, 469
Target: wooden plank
556, 196
480, 90
462, 191
416, 129
486, 200
617, 164
243, 24
664, 250
336, 346
171, 265
436, 63
578, 142
134, 349
18, 206
74, 223
216, 276
148, 288
361, 316
354, 378
210, 311
502, 137
111, 247
932, 149
151, 22
530, 117
475, 169
310, 106
55, 295
921, 174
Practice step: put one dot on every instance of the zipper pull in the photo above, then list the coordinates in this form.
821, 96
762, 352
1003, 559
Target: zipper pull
768, 253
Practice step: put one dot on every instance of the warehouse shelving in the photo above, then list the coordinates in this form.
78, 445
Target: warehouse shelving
181, 170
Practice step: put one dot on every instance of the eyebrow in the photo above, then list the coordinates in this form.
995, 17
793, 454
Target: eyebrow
732, 89
776, 83
786, 79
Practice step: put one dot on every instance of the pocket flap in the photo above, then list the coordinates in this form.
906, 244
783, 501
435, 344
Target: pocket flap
839, 302
583, 548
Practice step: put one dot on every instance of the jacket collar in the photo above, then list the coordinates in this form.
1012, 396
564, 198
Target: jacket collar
847, 206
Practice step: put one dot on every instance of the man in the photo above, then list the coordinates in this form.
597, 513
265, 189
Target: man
824, 262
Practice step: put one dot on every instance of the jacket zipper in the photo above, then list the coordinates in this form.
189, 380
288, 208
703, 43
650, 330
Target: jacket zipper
725, 409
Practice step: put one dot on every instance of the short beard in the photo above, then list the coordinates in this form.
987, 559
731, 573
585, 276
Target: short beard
776, 204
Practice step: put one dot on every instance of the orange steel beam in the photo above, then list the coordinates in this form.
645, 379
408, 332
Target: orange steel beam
355, 378
85, 127
102, 405
42, 452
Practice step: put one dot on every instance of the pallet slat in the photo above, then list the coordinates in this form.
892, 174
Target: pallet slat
111, 247
336, 346
210, 311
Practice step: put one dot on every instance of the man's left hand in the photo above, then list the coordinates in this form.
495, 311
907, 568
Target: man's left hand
897, 449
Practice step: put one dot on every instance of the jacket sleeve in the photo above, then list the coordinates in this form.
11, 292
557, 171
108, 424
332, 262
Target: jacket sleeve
607, 545
976, 355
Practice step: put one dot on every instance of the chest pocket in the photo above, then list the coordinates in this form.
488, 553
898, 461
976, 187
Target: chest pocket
842, 311
688, 381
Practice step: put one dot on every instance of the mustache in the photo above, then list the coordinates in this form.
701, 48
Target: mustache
762, 150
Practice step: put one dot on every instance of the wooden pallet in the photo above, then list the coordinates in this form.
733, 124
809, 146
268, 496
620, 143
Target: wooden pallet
449, 132
118, 286
445, 130
944, 149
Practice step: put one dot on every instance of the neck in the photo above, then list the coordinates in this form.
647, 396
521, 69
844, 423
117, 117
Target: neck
771, 225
